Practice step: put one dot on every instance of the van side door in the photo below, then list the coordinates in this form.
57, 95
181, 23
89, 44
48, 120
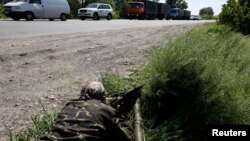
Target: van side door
37, 8
50, 9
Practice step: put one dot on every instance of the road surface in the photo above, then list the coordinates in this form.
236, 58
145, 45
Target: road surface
21, 29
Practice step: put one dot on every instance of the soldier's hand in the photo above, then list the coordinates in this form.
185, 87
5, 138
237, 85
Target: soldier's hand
139, 87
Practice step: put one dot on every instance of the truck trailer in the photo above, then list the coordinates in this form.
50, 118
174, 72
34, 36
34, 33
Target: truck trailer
164, 11
187, 14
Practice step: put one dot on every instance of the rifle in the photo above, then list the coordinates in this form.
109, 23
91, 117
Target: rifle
125, 102
124, 105
138, 125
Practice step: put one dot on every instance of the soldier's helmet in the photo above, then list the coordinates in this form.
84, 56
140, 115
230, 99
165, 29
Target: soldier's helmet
93, 90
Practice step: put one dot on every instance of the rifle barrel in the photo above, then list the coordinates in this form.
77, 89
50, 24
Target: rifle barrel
139, 130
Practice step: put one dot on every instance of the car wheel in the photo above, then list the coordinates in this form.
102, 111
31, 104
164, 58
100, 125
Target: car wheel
63, 17
51, 19
29, 16
109, 17
95, 16
16, 18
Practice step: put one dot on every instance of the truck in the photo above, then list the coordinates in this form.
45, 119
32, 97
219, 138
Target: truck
180, 14
177, 14
145, 9
187, 14
164, 11
142, 9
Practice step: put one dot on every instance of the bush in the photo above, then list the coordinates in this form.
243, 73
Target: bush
236, 15
200, 78
207, 17
121, 8
74, 6
1, 11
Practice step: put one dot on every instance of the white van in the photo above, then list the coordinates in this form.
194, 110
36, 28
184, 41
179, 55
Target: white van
38, 9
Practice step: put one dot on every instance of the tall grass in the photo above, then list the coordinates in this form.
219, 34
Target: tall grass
200, 78
41, 124
116, 84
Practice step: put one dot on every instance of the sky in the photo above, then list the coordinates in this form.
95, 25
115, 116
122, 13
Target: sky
195, 5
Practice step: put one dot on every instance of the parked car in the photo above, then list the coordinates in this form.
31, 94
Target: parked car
195, 17
96, 11
37, 9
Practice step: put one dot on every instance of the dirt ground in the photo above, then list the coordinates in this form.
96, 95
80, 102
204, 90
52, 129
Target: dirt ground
51, 68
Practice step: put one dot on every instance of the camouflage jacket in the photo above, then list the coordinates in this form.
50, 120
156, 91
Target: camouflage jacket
89, 120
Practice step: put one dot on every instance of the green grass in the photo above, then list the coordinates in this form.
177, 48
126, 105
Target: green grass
200, 78
115, 84
41, 124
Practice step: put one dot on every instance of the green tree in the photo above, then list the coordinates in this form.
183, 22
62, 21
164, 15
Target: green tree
121, 8
177, 4
74, 6
237, 15
206, 11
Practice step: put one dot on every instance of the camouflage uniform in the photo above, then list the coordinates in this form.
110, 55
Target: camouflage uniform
89, 120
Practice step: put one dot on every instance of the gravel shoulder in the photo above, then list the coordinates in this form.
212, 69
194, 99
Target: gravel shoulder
50, 69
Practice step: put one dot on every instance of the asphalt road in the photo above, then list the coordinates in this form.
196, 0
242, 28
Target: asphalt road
21, 29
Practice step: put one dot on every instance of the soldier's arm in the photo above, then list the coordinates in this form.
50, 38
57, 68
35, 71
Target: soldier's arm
122, 130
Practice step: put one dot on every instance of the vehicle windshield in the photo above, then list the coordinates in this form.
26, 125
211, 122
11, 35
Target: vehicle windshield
92, 5
133, 5
174, 11
21, 0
